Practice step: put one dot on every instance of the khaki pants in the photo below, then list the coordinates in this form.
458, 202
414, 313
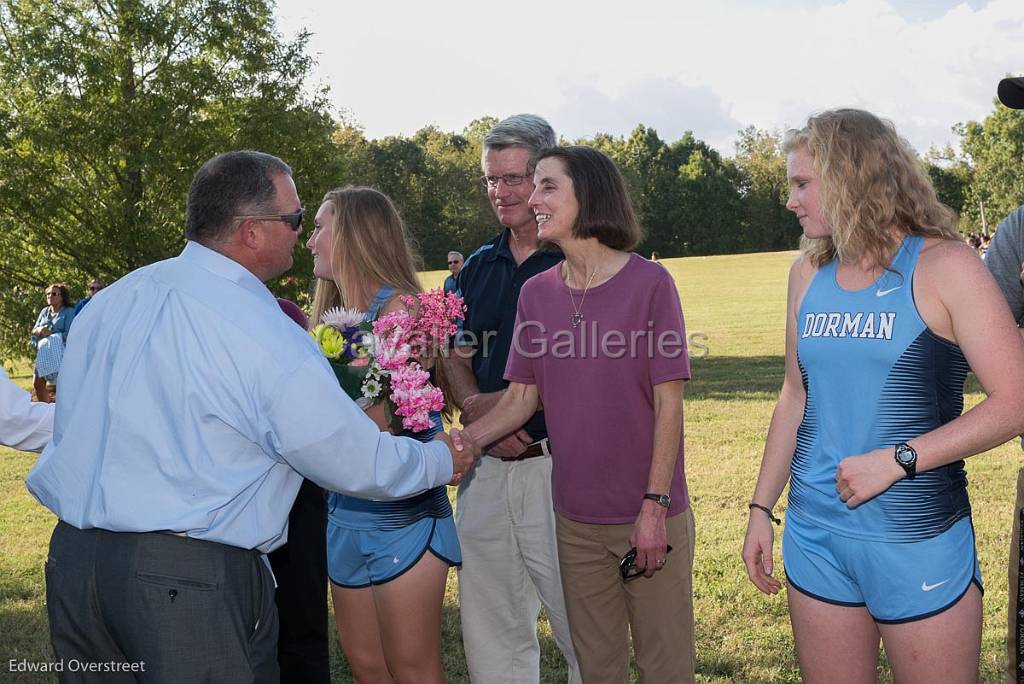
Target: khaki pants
604, 610
1015, 642
509, 569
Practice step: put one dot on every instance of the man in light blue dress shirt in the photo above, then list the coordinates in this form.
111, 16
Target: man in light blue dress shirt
190, 409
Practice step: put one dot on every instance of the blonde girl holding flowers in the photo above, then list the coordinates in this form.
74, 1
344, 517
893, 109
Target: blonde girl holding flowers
388, 560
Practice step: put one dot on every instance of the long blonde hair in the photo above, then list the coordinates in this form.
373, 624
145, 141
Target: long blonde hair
370, 246
871, 181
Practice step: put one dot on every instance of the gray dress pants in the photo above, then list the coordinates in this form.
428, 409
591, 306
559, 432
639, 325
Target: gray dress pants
156, 607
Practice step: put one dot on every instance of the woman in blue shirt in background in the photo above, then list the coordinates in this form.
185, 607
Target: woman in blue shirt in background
55, 318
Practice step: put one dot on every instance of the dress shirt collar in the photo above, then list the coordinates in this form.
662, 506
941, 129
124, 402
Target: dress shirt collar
225, 267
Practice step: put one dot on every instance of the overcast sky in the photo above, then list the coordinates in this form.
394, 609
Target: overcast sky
593, 66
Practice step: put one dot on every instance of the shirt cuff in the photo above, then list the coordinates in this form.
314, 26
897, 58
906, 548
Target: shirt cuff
439, 450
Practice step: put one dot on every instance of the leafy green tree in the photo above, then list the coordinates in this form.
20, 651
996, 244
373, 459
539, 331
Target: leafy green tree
993, 150
107, 108
762, 168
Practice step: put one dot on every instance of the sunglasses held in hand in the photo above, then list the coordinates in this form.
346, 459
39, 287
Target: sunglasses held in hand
627, 566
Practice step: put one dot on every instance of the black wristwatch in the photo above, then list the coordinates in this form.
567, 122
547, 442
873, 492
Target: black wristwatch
663, 500
906, 457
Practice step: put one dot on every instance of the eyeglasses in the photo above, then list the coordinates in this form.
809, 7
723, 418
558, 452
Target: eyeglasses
507, 179
454, 262
294, 220
627, 566
53, 294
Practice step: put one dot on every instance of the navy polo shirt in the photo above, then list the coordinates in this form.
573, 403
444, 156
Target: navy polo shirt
490, 282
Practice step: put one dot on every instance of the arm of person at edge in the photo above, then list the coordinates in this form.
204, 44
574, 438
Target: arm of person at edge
474, 404
24, 424
958, 300
513, 409
758, 544
649, 535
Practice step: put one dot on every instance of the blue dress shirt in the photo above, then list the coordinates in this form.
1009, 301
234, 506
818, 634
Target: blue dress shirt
190, 403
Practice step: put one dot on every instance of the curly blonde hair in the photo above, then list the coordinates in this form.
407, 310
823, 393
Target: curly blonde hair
871, 181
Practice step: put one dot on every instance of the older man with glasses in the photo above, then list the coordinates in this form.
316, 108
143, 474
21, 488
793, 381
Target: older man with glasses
505, 516
454, 265
191, 408
95, 286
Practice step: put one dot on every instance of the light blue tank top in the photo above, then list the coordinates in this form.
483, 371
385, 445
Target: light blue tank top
875, 376
365, 514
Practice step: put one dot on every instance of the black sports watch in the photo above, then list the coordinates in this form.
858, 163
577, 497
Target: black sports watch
663, 500
906, 457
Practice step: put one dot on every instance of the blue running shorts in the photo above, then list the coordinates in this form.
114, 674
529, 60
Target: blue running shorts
896, 582
360, 558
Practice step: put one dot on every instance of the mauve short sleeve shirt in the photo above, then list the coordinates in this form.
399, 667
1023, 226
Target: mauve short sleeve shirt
596, 382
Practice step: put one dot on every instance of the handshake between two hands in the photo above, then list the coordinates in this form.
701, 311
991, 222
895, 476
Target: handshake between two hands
465, 452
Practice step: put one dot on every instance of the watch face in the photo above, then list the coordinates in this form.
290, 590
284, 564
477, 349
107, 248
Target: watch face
905, 454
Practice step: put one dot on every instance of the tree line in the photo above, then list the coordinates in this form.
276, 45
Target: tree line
108, 107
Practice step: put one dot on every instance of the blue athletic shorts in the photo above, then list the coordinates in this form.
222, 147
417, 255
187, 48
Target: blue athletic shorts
896, 582
360, 558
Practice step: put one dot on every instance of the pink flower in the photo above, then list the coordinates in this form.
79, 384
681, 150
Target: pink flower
403, 337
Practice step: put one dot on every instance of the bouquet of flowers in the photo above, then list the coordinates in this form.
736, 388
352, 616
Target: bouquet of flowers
367, 357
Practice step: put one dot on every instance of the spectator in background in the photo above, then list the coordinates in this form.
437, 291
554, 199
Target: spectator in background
1005, 261
54, 319
95, 286
454, 265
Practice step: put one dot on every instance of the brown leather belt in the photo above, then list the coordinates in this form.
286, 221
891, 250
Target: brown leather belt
539, 448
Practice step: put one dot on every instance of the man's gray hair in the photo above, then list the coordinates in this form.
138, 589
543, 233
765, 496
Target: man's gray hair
456, 254
527, 131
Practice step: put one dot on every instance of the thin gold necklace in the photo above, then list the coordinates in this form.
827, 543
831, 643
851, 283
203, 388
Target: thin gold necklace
576, 317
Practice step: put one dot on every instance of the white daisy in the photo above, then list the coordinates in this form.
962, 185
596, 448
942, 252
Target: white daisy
342, 318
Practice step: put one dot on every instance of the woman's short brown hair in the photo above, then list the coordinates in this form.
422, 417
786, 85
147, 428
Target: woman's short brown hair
605, 210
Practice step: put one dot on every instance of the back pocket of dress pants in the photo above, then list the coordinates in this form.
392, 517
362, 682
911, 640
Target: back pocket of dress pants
175, 582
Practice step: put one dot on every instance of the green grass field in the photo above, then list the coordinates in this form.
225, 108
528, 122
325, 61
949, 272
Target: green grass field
738, 302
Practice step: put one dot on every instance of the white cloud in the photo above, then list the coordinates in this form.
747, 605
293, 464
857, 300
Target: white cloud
674, 65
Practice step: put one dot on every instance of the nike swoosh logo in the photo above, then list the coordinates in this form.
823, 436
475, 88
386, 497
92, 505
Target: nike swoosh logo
882, 293
928, 587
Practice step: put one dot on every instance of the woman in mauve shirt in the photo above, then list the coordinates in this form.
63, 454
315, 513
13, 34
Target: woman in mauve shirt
600, 341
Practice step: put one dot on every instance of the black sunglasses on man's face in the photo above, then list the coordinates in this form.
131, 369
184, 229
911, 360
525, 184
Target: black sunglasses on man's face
294, 220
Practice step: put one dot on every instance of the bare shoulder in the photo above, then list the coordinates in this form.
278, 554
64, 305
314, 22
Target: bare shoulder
396, 303
948, 261
801, 273
802, 268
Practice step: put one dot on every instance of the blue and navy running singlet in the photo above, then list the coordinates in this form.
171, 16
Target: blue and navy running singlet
875, 376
